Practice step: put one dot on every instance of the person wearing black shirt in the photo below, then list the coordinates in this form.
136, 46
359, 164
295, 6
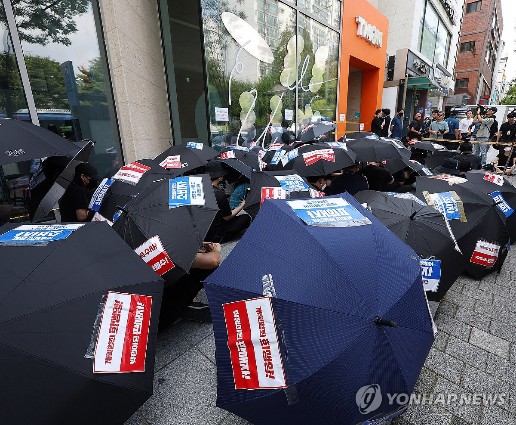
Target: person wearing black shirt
505, 162
227, 224
378, 178
507, 133
386, 122
415, 128
377, 123
73, 206
349, 181
466, 155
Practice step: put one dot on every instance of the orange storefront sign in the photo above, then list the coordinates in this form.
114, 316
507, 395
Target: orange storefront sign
363, 48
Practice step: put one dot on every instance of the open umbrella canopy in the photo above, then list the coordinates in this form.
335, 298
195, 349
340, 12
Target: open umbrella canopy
423, 228
302, 333
166, 224
318, 159
377, 150
398, 164
191, 155
54, 280
21, 141
503, 192
474, 219
275, 185
60, 184
243, 161
316, 130
358, 135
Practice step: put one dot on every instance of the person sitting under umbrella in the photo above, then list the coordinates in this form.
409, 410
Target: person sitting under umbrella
349, 181
74, 203
320, 183
505, 164
466, 155
227, 223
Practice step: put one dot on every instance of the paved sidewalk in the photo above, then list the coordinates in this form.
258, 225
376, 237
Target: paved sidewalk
475, 352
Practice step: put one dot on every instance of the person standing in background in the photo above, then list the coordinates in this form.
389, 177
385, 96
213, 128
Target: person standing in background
386, 122
397, 125
464, 126
377, 123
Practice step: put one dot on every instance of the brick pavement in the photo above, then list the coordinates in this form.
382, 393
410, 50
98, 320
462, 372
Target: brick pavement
474, 352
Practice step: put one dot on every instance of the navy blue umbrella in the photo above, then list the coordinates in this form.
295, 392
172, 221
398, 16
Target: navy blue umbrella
321, 330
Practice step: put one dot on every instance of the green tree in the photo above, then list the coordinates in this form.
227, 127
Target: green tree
510, 97
47, 82
43, 22
92, 83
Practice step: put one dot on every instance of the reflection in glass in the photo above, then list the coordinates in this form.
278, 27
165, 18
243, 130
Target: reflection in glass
327, 11
68, 76
285, 78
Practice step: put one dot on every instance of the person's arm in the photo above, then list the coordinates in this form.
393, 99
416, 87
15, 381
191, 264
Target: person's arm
457, 134
235, 211
82, 214
208, 258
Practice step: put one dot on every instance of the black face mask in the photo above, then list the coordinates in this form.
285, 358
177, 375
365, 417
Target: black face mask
92, 184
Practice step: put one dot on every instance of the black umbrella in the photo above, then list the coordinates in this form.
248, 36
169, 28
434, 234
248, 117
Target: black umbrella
173, 215
474, 219
437, 158
319, 159
21, 141
359, 135
503, 192
425, 231
60, 184
49, 300
394, 165
275, 184
130, 180
377, 150
424, 146
193, 153
314, 131
245, 162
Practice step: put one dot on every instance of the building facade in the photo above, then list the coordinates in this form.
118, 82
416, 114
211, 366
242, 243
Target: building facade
480, 50
422, 50
136, 77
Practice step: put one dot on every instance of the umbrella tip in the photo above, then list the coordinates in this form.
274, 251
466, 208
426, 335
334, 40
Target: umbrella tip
382, 322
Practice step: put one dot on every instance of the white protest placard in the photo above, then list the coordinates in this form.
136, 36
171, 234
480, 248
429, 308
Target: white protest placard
289, 114
154, 254
221, 114
131, 173
123, 334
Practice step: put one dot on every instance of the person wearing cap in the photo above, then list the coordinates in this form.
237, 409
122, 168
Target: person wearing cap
73, 205
505, 162
227, 224
507, 133
483, 132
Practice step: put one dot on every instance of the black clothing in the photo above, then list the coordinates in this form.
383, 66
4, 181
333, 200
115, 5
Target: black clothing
474, 161
416, 125
508, 132
376, 126
493, 130
502, 159
386, 126
378, 178
75, 198
225, 230
347, 182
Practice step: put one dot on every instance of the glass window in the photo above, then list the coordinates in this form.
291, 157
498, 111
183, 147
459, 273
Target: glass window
327, 11
461, 83
69, 77
264, 77
435, 38
468, 46
473, 7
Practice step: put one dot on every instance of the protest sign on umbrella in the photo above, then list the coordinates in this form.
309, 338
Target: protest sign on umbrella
473, 217
166, 224
190, 156
303, 332
425, 231
57, 280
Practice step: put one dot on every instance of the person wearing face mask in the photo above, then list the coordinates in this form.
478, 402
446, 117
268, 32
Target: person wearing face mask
320, 183
73, 206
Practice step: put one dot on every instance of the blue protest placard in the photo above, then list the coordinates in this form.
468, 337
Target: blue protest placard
185, 191
292, 183
448, 204
277, 156
99, 194
40, 234
501, 203
431, 274
331, 212
194, 145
